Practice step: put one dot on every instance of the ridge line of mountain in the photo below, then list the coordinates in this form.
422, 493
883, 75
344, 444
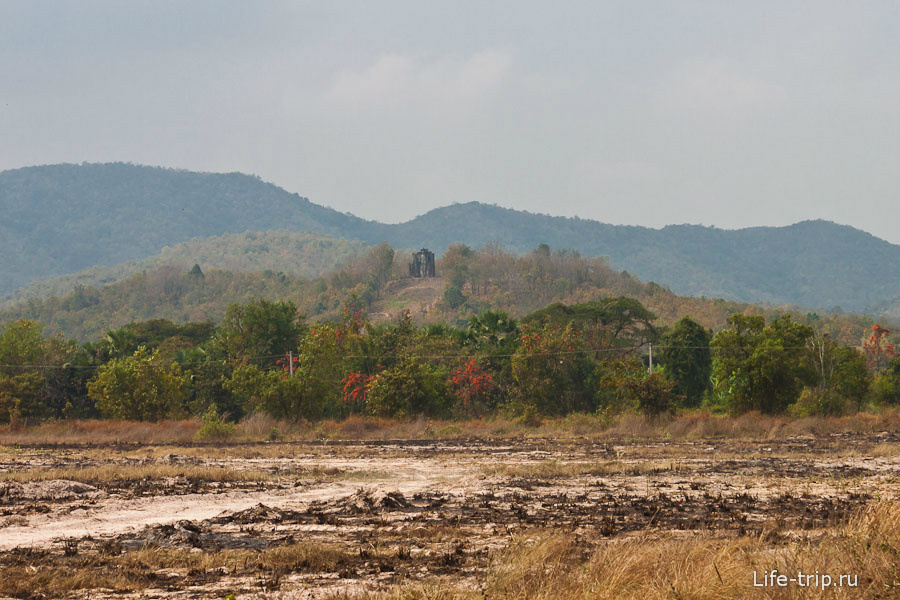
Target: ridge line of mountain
61, 219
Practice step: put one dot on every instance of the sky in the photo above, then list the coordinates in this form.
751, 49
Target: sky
731, 114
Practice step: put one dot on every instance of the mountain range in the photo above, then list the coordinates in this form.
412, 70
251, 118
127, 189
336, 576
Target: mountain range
61, 219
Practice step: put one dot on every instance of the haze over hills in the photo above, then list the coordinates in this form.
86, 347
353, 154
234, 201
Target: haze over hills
812, 263
304, 254
61, 219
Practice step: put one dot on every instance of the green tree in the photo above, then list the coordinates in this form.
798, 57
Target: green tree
456, 255
311, 389
20, 398
22, 344
320, 366
653, 393
606, 324
886, 387
410, 388
260, 330
269, 391
383, 345
207, 373
840, 373
759, 367
493, 329
453, 297
140, 387
381, 260
552, 370
687, 359
453, 294
851, 378
151, 334
38, 375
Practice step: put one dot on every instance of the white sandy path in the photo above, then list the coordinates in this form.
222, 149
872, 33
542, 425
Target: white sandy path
115, 515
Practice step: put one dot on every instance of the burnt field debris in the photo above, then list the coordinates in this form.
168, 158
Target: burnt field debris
326, 519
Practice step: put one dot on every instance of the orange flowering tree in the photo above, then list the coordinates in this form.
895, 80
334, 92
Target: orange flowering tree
286, 362
878, 347
473, 388
355, 391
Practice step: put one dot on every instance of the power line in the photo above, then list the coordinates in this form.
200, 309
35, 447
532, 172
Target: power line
184, 364
243, 359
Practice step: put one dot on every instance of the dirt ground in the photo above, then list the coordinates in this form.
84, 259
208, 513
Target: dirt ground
313, 519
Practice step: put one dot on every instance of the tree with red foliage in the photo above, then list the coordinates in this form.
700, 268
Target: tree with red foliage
878, 347
355, 391
284, 363
473, 388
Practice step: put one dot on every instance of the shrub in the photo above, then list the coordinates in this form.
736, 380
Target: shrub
530, 417
653, 394
886, 390
409, 388
214, 427
815, 402
270, 391
139, 388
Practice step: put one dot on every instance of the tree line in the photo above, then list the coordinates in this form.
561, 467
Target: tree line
594, 356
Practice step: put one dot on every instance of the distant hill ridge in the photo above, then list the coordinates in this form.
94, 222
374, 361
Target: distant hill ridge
304, 254
60, 219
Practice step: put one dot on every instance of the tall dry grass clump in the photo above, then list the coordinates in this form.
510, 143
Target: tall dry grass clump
553, 566
97, 431
694, 425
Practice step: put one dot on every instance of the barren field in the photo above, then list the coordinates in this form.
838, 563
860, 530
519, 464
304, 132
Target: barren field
504, 518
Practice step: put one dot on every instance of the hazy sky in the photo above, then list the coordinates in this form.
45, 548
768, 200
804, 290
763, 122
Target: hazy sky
721, 113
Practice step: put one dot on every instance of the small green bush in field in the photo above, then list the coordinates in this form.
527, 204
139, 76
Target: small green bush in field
214, 428
814, 402
530, 417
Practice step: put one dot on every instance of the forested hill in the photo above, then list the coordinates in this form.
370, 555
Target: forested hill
292, 253
63, 218
812, 263
60, 219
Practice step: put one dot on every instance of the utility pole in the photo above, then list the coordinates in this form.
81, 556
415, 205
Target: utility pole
291, 362
651, 358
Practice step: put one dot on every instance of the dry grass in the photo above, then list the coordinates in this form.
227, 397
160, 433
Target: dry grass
689, 426
97, 431
668, 567
107, 474
886, 450
256, 428
550, 566
37, 574
753, 425
239, 450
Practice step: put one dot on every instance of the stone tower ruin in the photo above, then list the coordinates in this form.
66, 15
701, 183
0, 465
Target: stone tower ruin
422, 264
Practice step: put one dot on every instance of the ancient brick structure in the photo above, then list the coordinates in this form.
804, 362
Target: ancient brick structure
422, 264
